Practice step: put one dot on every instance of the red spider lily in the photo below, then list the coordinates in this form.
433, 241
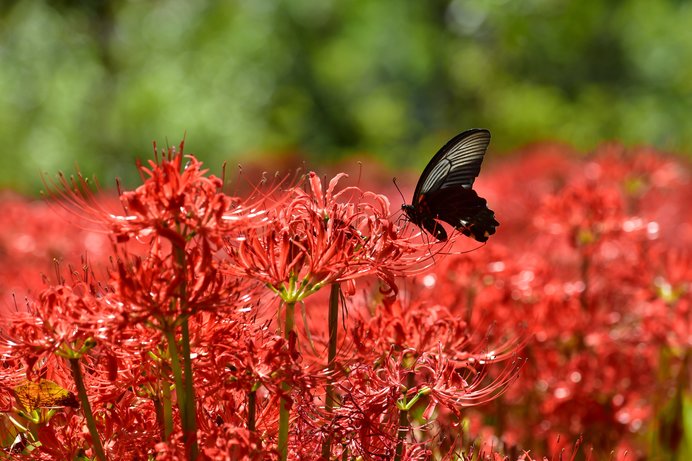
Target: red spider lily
426, 328
175, 202
67, 321
227, 442
432, 339
242, 355
373, 398
159, 286
586, 212
319, 238
181, 216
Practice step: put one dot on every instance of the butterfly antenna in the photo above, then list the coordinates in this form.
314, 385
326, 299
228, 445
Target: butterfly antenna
238, 177
399, 190
223, 174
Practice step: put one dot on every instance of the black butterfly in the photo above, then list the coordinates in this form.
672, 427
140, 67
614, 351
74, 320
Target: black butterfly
444, 190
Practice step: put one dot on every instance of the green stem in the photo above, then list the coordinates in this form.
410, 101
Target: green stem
84, 400
401, 436
167, 408
177, 372
404, 424
189, 414
158, 409
190, 424
329, 399
251, 409
284, 408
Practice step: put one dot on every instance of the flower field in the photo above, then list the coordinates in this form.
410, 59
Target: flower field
305, 318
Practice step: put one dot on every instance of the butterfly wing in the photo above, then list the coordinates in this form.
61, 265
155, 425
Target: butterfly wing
444, 190
463, 209
457, 163
44, 394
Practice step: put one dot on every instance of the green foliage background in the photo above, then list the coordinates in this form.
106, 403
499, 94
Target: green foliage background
95, 82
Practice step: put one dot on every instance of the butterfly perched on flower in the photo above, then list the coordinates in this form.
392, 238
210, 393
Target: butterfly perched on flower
444, 191
36, 402
44, 393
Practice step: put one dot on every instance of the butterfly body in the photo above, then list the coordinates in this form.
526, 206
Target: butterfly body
444, 191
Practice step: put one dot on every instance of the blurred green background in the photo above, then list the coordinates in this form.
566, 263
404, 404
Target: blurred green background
95, 82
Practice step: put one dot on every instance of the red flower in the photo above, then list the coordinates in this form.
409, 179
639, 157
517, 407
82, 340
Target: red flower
67, 321
319, 238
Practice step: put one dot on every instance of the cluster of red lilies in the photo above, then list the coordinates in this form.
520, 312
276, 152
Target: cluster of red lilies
306, 320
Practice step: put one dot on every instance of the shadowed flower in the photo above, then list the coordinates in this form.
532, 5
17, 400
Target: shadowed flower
586, 211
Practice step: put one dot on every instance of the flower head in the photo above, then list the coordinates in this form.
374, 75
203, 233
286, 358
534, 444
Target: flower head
320, 237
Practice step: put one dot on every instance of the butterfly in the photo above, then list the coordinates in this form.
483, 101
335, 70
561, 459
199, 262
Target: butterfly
44, 394
444, 191
32, 398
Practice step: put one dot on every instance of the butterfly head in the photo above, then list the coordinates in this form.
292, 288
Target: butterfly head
421, 217
410, 212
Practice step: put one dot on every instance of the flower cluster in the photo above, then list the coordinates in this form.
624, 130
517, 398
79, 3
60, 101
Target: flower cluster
180, 341
307, 321
599, 273
319, 237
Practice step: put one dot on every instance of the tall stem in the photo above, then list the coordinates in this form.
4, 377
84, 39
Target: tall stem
167, 408
190, 415
181, 396
84, 400
284, 408
158, 409
251, 410
329, 398
404, 424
